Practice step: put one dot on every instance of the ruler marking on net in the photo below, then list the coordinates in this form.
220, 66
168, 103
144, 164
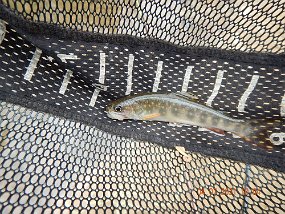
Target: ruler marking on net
65, 81
282, 106
33, 64
157, 76
187, 78
216, 89
101, 79
2, 30
248, 91
130, 74
64, 57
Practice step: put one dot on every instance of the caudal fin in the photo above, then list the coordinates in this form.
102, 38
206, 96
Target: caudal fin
259, 131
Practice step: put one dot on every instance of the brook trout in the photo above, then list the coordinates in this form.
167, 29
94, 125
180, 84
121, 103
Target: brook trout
184, 108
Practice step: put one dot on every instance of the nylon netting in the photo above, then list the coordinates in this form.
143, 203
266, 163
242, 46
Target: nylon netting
60, 153
50, 163
239, 25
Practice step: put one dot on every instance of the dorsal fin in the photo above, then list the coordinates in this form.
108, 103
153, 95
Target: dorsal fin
186, 95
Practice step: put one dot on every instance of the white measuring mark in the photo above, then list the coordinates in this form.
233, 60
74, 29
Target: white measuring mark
157, 76
216, 88
33, 64
130, 74
282, 106
2, 30
94, 97
244, 97
102, 68
64, 57
101, 79
65, 81
187, 78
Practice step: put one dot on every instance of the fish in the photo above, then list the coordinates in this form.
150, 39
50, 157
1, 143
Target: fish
186, 109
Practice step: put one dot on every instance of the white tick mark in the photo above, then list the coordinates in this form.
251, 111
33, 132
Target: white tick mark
282, 106
216, 88
187, 78
2, 30
33, 64
157, 76
130, 74
65, 81
64, 57
248, 91
101, 79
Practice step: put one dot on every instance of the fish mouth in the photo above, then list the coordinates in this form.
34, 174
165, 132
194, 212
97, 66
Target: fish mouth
109, 115
115, 116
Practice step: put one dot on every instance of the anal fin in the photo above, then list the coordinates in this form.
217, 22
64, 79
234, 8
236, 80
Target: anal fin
218, 131
215, 130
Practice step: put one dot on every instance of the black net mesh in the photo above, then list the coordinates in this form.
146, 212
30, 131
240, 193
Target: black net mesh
50, 163
57, 57
235, 25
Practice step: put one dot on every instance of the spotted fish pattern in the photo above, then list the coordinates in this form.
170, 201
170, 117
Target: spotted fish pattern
184, 108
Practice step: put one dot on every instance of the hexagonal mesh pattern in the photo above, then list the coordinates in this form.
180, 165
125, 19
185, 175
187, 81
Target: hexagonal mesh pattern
36, 76
53, 164
250, 25
50, 163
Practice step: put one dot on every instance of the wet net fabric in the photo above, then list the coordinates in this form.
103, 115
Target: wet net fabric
234, 25
60, 76
66, 154
50, 163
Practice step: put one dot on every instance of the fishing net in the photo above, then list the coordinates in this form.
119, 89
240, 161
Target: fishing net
62, 62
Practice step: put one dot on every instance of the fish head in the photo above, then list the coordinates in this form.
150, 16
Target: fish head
121, 109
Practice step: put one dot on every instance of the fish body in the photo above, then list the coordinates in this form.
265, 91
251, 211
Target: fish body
183, 108
174, 108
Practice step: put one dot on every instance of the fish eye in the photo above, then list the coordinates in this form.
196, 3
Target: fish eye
118, 108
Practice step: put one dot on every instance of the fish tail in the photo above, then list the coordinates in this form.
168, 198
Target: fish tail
258, 133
